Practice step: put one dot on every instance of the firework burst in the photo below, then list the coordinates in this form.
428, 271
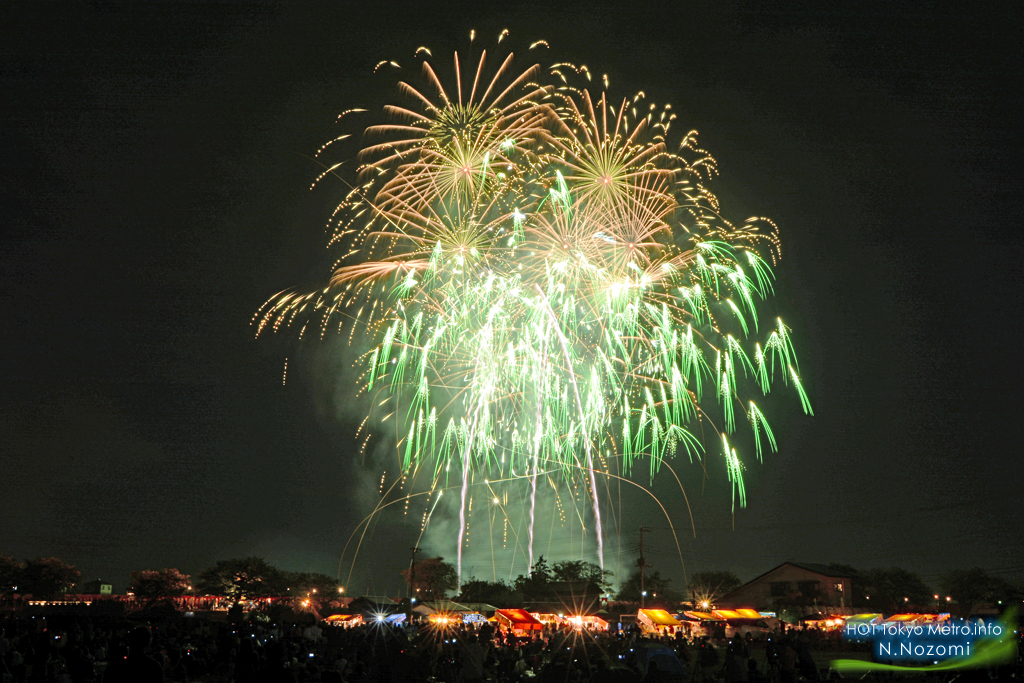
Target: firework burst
549, 287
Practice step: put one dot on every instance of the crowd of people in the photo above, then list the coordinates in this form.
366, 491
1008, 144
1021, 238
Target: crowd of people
79, 649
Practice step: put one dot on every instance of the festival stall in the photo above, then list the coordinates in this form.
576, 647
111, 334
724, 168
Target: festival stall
697, 624
864, 619
588, 622
743, 622
823, 622
913, 618
860, 626
657, 621
450, 613
548, 618
345, 620
453, 619
742, 613
519, 621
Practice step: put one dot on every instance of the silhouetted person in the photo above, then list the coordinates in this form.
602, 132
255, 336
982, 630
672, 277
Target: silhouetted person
247, 662
137, 667
753, 675
707, 656
735, 664
655, 674
473, 655
787, 662
274, 671
805, 661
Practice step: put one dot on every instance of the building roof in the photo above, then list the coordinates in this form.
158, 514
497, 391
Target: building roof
820, 569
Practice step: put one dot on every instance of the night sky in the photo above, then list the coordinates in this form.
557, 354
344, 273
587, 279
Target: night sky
155, 191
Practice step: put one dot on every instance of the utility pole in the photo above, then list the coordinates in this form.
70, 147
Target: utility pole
642, 563
412, 583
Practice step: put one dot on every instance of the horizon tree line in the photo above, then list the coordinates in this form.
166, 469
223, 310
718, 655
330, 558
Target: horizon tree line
887, 590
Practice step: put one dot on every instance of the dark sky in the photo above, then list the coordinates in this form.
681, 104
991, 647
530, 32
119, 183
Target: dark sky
155, 191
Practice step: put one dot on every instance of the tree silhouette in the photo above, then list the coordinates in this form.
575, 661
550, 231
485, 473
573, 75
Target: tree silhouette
239, 579
708, 585
540, 576
431, 578
972, 587
10, 574
659, 590
47, 577
579, 570
151, 584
